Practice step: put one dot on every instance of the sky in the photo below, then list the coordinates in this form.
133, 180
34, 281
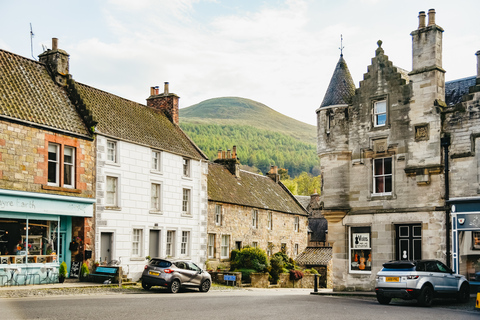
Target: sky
281, 53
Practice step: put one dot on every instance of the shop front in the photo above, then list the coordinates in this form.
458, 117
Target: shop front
35, 230
466, 237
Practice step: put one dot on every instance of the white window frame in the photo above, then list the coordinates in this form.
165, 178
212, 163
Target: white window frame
137, 242
255, 219
296, 224
55, 163
218, 214
362, 246
186, 167
69, 167
112, 151
225, 247
295, 250
156, 161
377, 114
187, 201
185, 243
269, 220
384, 176
211, 246
269, 249
170, 243
115, 192
156, 197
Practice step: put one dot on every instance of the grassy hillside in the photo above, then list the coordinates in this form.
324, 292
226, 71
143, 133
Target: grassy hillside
240, 111
263, 136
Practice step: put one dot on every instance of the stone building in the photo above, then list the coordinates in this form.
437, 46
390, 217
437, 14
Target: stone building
47, 170
248, 209
382, 150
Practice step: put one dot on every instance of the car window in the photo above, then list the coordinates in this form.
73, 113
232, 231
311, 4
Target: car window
193, 266
442, 267
181, 265
420, 266
160, 263
431, 266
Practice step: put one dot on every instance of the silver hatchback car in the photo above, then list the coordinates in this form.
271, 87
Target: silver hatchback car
422, 280
175, 274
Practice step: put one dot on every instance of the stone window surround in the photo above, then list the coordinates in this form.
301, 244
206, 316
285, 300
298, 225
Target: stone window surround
225, 247
116, 204
157, 208
137, 242
211, 238
218, 214
368, 154
373, 101
185, 243
170, 242
156, 166
187, 201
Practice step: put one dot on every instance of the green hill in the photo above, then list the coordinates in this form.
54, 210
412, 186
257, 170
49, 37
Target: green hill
263, 136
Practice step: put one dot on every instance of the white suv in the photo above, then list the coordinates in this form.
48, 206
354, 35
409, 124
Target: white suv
422, 280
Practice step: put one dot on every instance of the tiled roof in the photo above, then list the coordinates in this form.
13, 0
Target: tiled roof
341, 88
312, 256
252, 190
28, 93
304, 200
454, 90
130, 121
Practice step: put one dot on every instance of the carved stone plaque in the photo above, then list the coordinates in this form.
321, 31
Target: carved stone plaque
421, 132
380, 146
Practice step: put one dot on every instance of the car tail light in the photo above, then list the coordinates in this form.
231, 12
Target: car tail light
146, 266
167, 270
412, 277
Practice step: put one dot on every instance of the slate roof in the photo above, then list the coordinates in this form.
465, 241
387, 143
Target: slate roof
130, 121
251, 190
304, 200
318, 228
314, 256
454, 90
28, 94
341, 88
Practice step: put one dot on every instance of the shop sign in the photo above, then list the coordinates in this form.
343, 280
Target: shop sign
361, 241
468, 221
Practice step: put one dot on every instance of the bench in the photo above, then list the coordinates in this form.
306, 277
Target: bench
102, 274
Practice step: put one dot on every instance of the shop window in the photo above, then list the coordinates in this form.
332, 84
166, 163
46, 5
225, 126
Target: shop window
225, 252
382, 176
476, 240
55, 161
360, 252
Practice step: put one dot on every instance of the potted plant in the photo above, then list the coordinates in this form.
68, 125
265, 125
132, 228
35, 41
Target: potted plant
62, 272
84, 272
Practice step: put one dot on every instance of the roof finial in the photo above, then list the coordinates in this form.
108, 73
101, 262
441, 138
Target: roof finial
341, 46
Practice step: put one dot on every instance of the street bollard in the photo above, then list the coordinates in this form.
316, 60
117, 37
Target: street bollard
315, 283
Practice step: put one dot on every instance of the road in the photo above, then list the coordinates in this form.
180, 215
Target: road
275, 304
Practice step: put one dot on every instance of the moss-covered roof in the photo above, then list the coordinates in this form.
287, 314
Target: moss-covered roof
251, 190
28, 94
312, 256
130, 121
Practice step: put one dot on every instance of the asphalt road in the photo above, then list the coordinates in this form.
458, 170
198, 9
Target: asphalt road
237, 304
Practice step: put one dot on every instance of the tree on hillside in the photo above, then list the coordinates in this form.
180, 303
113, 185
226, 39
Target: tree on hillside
303, 185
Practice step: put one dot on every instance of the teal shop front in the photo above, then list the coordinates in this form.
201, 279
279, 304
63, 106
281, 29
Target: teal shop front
35, 229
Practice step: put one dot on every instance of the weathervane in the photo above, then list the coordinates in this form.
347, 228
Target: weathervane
341, 46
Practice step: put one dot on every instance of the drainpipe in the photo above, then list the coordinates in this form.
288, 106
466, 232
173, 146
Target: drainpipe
445, 142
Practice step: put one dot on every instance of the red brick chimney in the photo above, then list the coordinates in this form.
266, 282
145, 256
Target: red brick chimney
229, 160
166, 102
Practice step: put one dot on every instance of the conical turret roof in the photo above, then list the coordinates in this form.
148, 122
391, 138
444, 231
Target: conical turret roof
341, 88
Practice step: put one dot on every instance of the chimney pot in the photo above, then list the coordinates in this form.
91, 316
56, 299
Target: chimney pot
223, 154
229, 154
219, 154
431, 17
152, 91
165, 91
234, 152
421, 19
478, 63
54, 43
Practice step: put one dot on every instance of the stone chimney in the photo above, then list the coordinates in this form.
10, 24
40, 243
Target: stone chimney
478, 63
229, 160
56, 61
166, 102
273, 174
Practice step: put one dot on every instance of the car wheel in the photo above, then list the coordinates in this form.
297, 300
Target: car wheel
174, 286
146, 286
205, 286
382, 299
426, 296
463, 295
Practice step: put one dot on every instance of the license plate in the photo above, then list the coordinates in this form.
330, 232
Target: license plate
392, 279
153, 273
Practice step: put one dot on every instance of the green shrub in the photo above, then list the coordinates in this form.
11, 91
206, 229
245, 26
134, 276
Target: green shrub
84, 272
288, 263
62, 270
233, 254
276, 267
311, 271
250, 258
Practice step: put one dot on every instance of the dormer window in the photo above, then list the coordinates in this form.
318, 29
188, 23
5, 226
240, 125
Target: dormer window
380, 113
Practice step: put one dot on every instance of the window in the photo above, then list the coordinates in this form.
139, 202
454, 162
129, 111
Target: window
184, 246
360, 253
186, 201
254, 244
255, 219
296, 225
211, 245
295, 250
238, 245
137, 243
112, 151
382, 176
408, 241
53, 164
475, 240
112, 194
68, 167
186, 167
269, 221
170, 249
156, 161
380, 113
224, 250
270, 249
156, 197
218, 215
